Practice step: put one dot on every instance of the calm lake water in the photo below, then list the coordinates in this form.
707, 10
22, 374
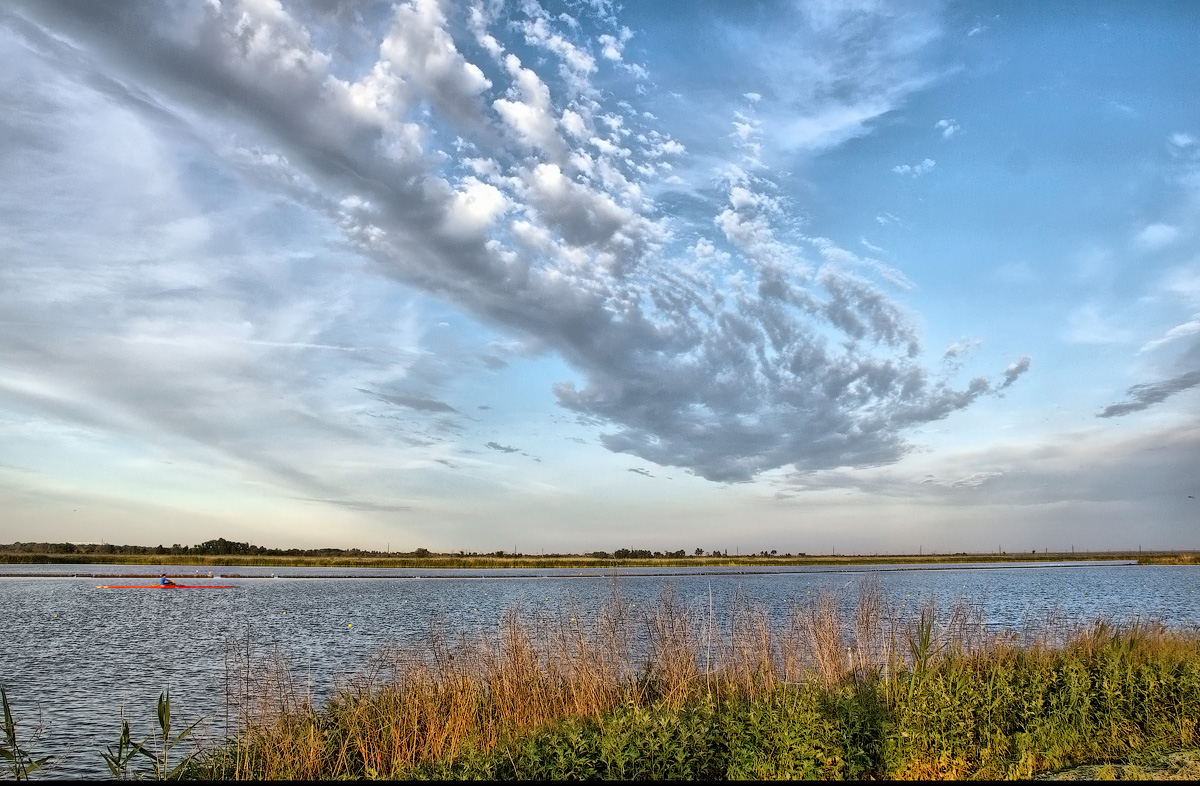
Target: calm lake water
73, 656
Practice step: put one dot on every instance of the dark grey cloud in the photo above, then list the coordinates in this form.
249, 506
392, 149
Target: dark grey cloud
1014, 372
1147, 395
501, 448
412, 402
763, 364
640, 471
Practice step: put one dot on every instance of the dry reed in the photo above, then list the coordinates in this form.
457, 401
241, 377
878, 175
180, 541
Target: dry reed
455, 696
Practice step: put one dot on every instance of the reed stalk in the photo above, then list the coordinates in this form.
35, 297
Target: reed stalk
674, 691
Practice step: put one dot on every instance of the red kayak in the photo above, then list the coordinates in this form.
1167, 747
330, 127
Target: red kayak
165, 586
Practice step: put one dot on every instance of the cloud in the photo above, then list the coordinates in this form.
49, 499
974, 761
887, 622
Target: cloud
915, 170
364, 505
955, 355
948, 127
1182, 140
468, 181
1147, 395
413, 402
1155, 236
1014, 372
1076, 475
1189, 328
501, 448
1124, 109
976, 480
832, 69
640, 471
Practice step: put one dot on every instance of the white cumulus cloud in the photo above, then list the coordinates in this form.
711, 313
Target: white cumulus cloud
915, 170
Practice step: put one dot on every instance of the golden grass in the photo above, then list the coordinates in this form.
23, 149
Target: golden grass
452, 696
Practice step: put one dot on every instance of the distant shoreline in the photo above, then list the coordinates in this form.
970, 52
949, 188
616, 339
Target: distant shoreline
434, 562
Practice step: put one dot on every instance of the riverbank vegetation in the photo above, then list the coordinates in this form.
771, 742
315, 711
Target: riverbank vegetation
224, 552
867, 689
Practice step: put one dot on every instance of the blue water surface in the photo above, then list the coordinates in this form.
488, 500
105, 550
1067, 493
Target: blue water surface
74, 657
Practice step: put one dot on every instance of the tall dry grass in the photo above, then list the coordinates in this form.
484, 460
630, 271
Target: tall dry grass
880, 666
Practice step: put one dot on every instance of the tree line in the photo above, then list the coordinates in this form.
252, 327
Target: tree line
223, 547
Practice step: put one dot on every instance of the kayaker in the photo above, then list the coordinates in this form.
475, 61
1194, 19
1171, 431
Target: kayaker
166, 582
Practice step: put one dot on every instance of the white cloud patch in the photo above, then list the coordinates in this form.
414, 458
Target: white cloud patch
528, 111
611, 47
775, 360
915, 170
948, 127
1154, 237
833, 68
1189, 328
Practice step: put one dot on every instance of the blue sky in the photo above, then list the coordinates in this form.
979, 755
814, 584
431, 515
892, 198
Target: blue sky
570, 276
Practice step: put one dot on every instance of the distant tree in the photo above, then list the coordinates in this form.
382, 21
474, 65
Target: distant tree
222, 547
421, 552
699, 552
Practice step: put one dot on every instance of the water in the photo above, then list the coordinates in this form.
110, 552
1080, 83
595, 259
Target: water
73, 657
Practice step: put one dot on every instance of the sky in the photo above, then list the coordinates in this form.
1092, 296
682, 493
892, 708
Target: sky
853, 276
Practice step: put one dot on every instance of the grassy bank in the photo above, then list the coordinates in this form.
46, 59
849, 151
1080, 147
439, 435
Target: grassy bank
862, 690
581, 562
